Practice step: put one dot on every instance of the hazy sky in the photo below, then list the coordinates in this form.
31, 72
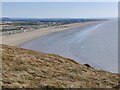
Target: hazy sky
60, 0
59, 9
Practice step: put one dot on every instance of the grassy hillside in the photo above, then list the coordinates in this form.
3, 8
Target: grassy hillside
31, 69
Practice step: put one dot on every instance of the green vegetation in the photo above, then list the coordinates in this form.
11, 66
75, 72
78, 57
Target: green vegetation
12, 25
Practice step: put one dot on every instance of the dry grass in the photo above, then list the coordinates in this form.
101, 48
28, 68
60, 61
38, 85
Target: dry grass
31, 69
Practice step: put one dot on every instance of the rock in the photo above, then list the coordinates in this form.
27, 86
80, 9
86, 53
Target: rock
87, 65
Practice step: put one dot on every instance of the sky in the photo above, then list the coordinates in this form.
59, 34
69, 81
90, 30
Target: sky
60, 0
60, 9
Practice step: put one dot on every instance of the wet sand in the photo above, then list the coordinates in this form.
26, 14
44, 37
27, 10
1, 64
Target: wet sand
94, 44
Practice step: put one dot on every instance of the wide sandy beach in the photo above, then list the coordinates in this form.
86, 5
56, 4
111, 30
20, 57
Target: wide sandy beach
95, 44
17, 39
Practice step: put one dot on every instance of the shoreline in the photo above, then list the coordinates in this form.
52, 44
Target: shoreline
34, 36
20, 38
69, 44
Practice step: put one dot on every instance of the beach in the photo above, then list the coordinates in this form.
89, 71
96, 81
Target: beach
94, 44
19, 38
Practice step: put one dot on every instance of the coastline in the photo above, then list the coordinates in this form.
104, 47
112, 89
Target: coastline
20, 38
87, 44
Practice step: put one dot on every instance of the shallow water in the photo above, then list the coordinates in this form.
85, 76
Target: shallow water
94, 44
99, 48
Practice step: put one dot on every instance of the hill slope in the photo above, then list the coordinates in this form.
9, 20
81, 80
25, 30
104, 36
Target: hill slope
30, 69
